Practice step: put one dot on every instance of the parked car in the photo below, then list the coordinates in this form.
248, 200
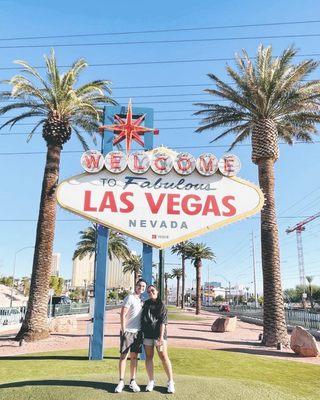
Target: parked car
60, 300
224, 307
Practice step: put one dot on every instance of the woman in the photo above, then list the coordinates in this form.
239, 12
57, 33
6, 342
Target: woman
153, 326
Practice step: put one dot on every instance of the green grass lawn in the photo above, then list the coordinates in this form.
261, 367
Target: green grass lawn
176, 314
199, 374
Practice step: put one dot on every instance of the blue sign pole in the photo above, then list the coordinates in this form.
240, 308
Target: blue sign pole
101, 266
147, 250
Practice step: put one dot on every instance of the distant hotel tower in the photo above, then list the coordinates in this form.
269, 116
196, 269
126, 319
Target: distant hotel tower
83, 273
55, 266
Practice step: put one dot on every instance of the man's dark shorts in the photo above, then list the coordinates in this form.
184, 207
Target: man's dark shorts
131, 341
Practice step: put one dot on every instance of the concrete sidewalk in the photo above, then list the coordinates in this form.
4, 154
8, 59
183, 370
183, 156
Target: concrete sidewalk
194, 334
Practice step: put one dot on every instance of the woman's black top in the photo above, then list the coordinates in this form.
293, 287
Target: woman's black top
154, 313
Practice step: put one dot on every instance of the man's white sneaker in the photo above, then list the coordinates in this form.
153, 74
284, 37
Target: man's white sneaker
170, 387
119, 387
150, 386
134, 386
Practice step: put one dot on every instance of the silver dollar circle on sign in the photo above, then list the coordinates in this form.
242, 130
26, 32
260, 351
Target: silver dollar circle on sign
229, 165
161, 163
184, 164
139, 162
116, 162
92, 161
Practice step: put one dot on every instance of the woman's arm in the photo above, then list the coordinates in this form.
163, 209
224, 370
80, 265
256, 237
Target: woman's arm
162, 328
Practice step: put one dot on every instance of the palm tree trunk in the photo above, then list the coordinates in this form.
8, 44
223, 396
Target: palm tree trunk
35, 325
198, 288
183, 280
178, 290
135, 279
274, 324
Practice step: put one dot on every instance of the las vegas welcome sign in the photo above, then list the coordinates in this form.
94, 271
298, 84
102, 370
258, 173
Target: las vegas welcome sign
160, 197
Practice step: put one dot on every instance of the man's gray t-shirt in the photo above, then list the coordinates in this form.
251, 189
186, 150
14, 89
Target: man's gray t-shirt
133, 317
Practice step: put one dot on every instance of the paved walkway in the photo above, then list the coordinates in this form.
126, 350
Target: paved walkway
194, 334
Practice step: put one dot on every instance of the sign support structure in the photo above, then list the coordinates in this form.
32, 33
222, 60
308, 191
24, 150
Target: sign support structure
157, 195
96, 347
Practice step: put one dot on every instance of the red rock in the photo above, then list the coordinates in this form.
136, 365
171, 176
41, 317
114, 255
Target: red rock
303, 343
224, 324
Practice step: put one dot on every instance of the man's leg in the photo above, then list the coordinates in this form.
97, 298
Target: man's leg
133, 365
122, 364
149, 361
122, 370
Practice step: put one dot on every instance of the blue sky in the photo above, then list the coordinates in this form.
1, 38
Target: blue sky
21, 174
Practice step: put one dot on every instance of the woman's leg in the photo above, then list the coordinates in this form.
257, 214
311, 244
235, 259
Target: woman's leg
163, 355
149, 361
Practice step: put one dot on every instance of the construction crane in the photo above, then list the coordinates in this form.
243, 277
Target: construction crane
299, 228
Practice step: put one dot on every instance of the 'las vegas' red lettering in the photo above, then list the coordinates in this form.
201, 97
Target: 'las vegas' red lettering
154, 206
129, 205
87, 202
230, 207
211, 205
172, 203
108, 201
195, 207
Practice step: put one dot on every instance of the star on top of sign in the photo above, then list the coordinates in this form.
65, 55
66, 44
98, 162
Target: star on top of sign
128, 129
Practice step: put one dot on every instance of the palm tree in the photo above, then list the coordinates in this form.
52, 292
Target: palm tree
167, 276
269, 100
133, 265
198, 252
60, 108
117, 244
310, 279
177, 273
181, 249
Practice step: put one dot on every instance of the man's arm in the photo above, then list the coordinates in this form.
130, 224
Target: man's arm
123, 313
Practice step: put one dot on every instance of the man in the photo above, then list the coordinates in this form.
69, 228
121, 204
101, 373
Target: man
130, 335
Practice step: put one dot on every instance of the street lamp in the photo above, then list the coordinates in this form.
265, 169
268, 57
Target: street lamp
14, 269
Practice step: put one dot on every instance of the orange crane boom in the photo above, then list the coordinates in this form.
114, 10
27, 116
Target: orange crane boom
299, 228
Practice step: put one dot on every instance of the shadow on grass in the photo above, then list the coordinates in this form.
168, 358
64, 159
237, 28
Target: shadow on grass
53, 357
263, 352
106, 386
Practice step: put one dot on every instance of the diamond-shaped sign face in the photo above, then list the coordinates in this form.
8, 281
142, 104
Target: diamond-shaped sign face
160, 210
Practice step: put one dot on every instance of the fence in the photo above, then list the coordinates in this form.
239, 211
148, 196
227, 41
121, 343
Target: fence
11, 316
68, 309
15, 315
307, 319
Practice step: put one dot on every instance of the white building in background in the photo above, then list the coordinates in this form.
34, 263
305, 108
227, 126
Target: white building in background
55, 266
238, 290
83, 273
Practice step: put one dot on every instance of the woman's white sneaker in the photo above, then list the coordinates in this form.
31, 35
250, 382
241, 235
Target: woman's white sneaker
134, 386
150, 386
119, 387
170, 387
